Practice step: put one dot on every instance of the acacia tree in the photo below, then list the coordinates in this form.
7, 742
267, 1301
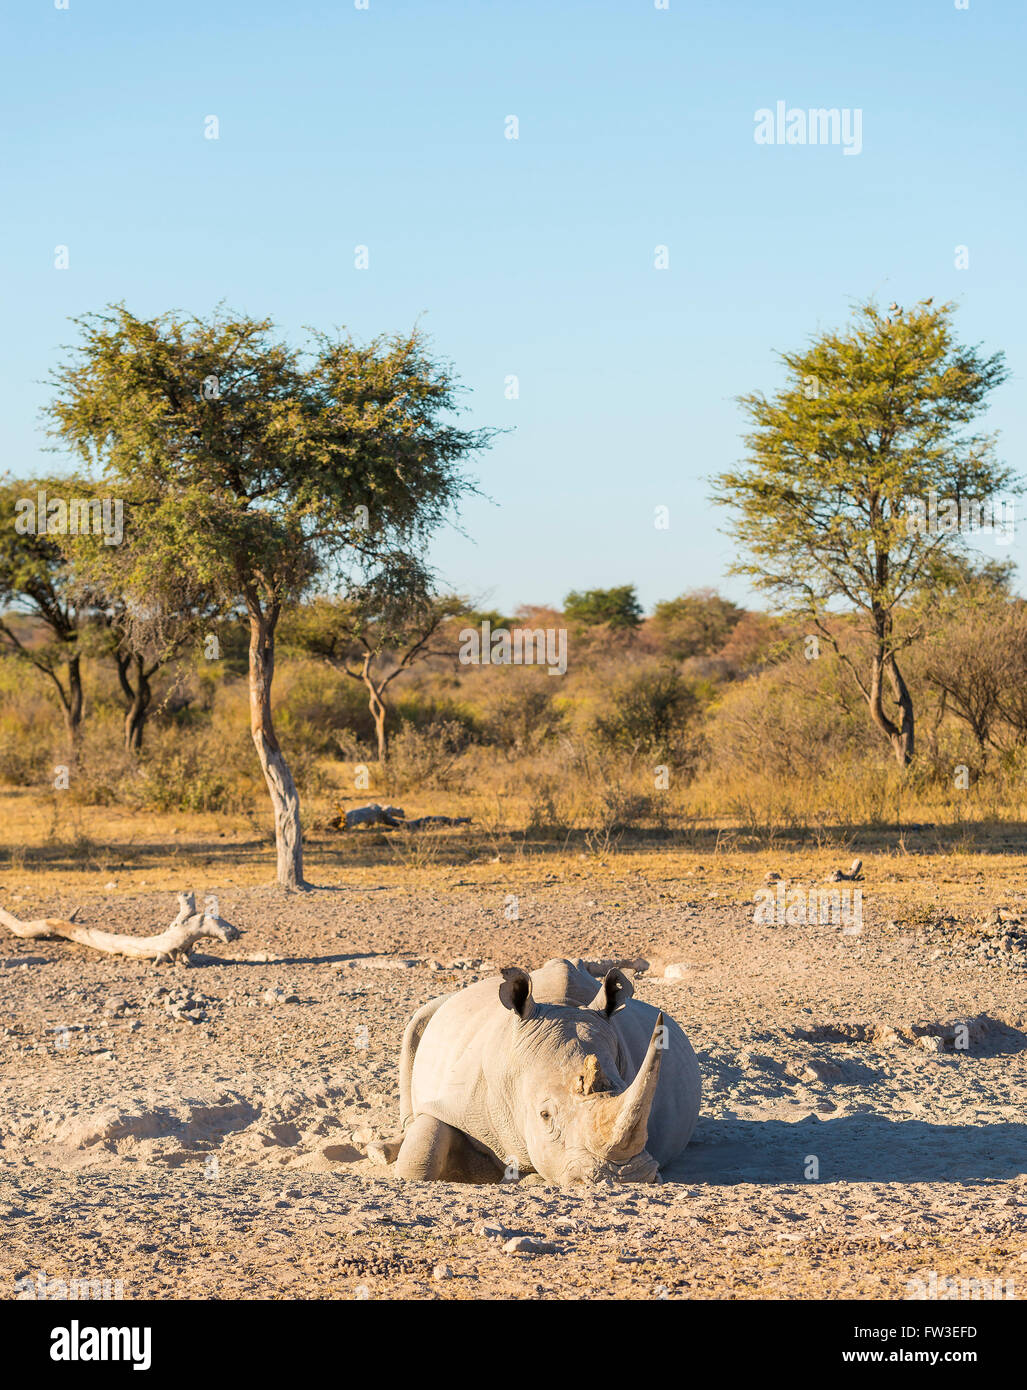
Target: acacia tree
141, 633
376, 632
256, 468
616, 608
833, 508
980, 682
35, 577
695, 623
141, 643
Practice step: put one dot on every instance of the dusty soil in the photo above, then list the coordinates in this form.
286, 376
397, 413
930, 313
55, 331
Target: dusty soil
201, 1132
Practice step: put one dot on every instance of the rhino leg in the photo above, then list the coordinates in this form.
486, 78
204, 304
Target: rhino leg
434, 1151
383, 1152
407, 1052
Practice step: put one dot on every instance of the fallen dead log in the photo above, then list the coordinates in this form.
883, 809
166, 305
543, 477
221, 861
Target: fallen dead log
638, 964
175, 943
421, 821
391, 816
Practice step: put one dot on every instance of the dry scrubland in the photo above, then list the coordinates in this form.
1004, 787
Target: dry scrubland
707, 720
201, 1131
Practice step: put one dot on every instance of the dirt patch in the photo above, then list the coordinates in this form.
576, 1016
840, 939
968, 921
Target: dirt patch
203, 1132
978, 1035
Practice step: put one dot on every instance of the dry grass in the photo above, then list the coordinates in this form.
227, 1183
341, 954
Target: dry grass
49, 846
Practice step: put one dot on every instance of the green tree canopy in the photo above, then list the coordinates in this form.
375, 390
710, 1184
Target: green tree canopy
36, 578
694, 624
257, 469
833, 510
616, 608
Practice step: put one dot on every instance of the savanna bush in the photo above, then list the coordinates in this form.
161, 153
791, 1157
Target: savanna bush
314, 704
652, 711
417, 707
427, 758
520, 711
797, 718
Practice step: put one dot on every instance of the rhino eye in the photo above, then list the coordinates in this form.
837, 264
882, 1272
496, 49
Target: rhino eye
545, 1115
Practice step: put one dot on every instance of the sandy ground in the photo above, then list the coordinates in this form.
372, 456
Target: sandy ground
200, 1132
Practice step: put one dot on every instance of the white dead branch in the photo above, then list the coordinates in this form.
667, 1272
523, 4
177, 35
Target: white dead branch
838, 876
392, 817
175, 943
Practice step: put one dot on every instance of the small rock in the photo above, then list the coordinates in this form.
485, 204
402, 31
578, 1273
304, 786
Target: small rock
382, 1152
443, 1271
818, 1070
930, 1042
528, 1245
490, 1230
677, 971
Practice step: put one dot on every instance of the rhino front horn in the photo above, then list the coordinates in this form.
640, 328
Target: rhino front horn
630, 1129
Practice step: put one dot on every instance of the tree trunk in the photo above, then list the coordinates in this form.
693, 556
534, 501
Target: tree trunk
73, 706
378, 708
900, 735
903, 744
281, 787
139, 704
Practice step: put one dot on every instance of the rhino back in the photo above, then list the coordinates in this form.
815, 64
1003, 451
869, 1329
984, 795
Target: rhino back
448, 1075
563, 982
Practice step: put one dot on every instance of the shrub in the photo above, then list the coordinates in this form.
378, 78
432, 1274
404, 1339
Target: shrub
651, 711
426, 757
520, 714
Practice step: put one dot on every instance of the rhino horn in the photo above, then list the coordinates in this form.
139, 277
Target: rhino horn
626, 1136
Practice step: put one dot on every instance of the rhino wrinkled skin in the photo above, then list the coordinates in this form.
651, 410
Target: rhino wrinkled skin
553, 1073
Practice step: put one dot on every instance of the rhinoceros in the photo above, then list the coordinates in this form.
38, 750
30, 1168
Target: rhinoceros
551, 1072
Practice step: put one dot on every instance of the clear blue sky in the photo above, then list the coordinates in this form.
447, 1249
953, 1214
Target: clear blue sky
385, 127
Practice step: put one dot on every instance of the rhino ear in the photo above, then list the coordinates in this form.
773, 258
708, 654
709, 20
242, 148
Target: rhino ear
614, 993
515, 991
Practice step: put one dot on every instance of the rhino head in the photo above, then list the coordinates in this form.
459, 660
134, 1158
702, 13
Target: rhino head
564, 1078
